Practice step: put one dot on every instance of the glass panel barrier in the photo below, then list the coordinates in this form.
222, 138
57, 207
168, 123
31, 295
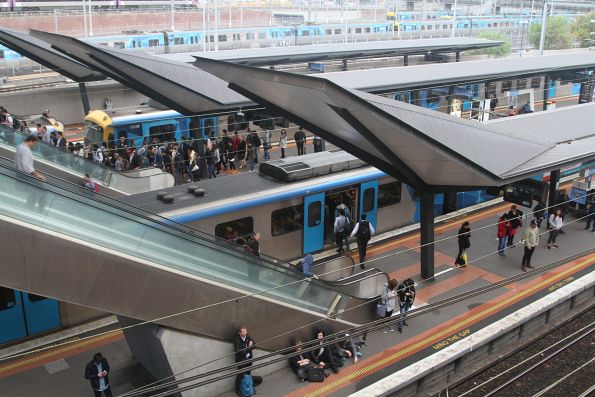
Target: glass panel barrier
85, 217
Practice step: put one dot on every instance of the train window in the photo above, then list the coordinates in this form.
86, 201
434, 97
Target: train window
133, 44
249, 36
36, 298
368, 202
429, 27
287, 33
305, 33
222, 37
262, 35
314, 213
211, 39
506, 85
536, 82
287, 220
154, 43
444, 27
120, 45
337, 31
367, 30
179, 40
521, 84
7, 298
163, 133
329, 32
389, 194
358, 30
237, 37
234, 229
423, 27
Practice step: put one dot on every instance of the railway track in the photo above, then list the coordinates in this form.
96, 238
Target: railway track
561, 363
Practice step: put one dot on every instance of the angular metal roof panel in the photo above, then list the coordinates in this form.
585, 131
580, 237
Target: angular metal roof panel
41, 52
420, 76
424, 148
318, 52
180, 86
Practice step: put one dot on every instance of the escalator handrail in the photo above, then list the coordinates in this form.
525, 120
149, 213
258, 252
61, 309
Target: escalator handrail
376, 274
60, 187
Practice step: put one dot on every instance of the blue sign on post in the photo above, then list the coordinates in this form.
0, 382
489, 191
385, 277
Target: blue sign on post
579, 196
316, 67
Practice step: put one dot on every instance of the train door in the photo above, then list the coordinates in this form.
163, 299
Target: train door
552, 89
41, 313
314, 214
12, 316
368, 198
208, 126
349, 197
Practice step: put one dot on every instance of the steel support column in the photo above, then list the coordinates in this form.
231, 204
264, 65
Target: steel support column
458, 56
553, 196
546, 91
426, 201
344, 65
405, 60
85, 98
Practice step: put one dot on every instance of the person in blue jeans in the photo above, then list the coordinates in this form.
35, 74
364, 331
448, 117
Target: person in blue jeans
406, 293
503, 228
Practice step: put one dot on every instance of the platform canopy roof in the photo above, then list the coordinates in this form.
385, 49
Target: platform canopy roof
42, 53
427, 149
436, 74
180, 86
320, 52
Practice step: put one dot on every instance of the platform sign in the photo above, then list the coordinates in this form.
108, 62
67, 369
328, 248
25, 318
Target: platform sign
586, 93
520, 195
578, 195
316, 67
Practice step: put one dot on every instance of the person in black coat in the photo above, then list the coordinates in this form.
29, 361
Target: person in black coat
243, 347
300, 363
464, 239
97, 371
323, 356
514, 216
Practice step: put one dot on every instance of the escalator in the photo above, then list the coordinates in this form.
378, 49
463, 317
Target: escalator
72, 167
61, 241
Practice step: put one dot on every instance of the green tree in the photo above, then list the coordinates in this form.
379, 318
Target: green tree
557, 34
499, 51
582, 28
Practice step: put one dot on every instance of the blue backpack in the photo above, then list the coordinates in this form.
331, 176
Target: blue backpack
247, 386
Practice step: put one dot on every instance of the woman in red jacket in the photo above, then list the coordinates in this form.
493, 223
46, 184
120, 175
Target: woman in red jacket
503, 232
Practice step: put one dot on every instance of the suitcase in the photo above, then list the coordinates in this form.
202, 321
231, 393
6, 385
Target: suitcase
315, 374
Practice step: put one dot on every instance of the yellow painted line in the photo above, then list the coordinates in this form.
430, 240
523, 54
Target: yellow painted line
449, 330
50, 353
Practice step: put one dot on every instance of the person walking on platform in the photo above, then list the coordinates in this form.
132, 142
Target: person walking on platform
266, 143
514, 217
503, 228
388, 299
243, 347
363, 230
97, 371
590, 216
283, 143
554, 224
341, 228
251, 155
539, 212
531, 240
563, 202
406, 294
300, 141
464, 240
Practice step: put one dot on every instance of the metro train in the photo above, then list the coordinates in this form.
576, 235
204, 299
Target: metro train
293, 208
230, 38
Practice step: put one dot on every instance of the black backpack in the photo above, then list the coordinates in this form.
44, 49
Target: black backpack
363, 231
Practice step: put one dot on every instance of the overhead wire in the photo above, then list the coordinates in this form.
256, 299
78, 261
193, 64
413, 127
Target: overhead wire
331, 339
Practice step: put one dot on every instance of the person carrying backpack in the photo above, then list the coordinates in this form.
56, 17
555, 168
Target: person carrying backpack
363, 230
341, 228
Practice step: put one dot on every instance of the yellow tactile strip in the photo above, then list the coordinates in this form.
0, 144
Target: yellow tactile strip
437, 334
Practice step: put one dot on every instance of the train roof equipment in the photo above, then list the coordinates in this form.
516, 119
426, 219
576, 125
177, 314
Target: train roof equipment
310, 165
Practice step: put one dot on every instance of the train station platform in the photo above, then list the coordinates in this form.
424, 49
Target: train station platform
60, 369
